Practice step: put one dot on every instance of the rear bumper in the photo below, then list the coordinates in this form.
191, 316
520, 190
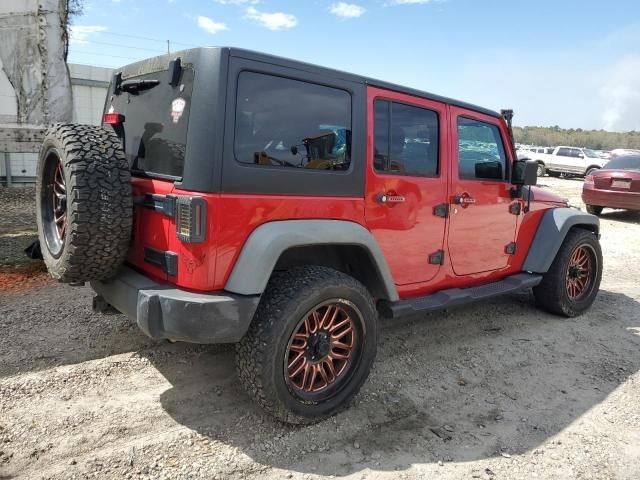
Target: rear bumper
611, 199
165, 312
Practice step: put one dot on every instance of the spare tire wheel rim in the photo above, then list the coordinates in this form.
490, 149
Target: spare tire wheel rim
54, 204
324, 350
581, 271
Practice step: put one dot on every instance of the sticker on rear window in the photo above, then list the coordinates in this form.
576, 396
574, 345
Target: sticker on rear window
177, 109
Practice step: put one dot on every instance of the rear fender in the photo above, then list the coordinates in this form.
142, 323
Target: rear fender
553, 229
268, 242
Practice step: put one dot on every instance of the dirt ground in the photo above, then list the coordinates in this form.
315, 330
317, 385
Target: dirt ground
497, 390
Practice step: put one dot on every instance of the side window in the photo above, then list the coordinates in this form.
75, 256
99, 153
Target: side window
481, 153
290, 123
575, 152
405, 139
564, 152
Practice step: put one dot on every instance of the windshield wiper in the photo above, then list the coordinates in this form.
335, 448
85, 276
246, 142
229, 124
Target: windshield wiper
138, 85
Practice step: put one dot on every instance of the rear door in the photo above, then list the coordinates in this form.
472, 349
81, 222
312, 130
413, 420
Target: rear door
481, 225
407, 171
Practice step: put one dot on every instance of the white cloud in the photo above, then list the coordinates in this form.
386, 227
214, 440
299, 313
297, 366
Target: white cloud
80, 33
347, 10
272, 21
209, 25
621, 95
408, 2
237, 2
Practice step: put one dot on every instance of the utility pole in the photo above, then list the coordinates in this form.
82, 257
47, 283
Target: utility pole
168, 48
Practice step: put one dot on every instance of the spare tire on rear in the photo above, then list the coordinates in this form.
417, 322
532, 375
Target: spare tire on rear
84, 204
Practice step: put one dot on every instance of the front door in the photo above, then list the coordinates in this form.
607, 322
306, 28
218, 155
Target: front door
407, 171
482, 226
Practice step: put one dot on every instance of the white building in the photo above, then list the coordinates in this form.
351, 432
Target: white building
89, 86
35, 84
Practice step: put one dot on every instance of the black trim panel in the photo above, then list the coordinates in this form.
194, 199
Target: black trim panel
165, 204
167, 261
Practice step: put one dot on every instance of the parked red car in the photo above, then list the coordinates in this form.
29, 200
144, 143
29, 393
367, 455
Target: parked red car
616, 186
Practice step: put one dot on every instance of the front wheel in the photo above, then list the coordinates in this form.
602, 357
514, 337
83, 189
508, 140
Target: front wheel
541, 170
573, 280
310, 345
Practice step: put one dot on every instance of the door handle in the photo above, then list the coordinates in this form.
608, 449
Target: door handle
386, 198
464, 199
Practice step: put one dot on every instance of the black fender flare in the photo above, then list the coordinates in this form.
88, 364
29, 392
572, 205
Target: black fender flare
269, 241
552, 230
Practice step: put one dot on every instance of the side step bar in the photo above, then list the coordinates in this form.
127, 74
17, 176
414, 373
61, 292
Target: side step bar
460, 296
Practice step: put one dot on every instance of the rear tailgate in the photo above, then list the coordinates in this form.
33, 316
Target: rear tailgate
150, 113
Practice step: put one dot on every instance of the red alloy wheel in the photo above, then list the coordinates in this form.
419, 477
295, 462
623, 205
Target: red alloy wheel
53, 204
321, 351
580, 272
59, 201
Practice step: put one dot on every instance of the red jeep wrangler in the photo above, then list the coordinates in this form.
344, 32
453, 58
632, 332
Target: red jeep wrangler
232, 196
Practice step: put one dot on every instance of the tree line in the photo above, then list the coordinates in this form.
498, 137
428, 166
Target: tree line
595, 139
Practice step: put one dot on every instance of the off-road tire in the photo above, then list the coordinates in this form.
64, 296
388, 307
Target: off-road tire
551, 294
98, 202
260, 355
594, 209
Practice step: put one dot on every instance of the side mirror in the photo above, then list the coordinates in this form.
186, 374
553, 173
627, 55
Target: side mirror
525, 172
581, 155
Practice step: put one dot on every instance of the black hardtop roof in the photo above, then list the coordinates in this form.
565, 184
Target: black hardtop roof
311, 68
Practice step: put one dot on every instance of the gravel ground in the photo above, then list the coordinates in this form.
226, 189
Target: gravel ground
490, 391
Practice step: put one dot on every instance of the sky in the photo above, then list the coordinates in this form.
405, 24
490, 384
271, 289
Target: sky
571, 63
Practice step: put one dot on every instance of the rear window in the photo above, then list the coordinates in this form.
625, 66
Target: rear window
282, 122
625, 162
156, 123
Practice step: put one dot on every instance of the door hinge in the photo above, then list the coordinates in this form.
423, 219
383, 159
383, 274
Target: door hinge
441, 210
437, 258
515, 208
165, 204
510, 249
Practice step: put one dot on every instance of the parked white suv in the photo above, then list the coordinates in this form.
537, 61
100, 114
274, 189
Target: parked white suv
568, 160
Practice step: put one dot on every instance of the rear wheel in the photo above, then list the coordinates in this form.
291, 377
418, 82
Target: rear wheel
594, 209
572, 282
590, 171
310, 346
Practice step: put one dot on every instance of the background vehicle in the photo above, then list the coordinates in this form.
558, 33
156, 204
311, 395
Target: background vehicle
236, 197
568, 160
615, 186
624, 151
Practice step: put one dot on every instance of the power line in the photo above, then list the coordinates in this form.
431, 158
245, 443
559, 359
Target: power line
146, 38
106, 55
123, 46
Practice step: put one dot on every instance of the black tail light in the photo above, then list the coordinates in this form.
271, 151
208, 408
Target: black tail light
191, 219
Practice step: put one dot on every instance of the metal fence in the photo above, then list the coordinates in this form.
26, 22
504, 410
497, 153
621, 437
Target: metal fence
17, 168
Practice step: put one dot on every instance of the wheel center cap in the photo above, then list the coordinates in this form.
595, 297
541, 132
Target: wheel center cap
319, 346
574, 272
